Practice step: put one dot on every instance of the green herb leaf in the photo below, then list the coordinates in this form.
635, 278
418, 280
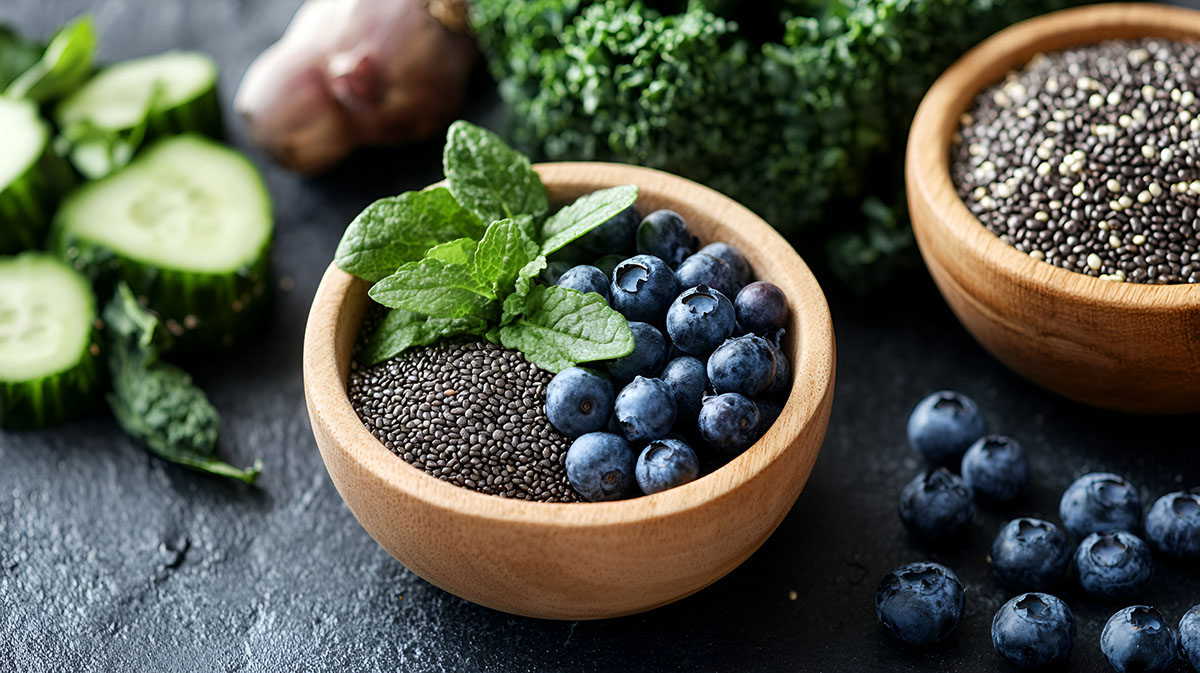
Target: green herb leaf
16, 55
434, 288
458, 251
489, 177
514, 304
402, 229
400, 330
587, 213
65, 64
502, 254
563, 327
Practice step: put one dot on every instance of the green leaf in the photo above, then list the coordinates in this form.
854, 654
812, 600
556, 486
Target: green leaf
587, 213
436, 289
402, 229
16, 55
502, 254
563, 327
487, 176
63, 66
458, 251
400, 330
514, 304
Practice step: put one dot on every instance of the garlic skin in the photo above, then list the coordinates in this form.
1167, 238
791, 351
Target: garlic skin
353, 72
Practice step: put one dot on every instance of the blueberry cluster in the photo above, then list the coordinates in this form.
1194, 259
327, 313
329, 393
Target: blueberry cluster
922, 603
706, 377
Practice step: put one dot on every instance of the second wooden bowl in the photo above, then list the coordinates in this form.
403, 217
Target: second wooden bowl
582, 560
1124, 346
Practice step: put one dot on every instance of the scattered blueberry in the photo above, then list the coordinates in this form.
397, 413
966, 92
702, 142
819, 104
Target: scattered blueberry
943, 425
995, 468
645, 409
782, 381
553, 271
1034, 631
1173, 525
1030, 554
729, 422
919, 603
1113, 566
600, 466
1100, 502
608, 263
744, 365
699, 320
761, 307
768, 412
585, 278
688, 380
707, 270
1138, 640
742, 272
936, 505
665, 235
666, 463
579, 401
1189, 637
643, 287
649, 354
619, 233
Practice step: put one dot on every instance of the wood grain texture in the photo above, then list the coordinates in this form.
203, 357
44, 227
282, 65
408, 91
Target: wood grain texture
582, 560
1125, 346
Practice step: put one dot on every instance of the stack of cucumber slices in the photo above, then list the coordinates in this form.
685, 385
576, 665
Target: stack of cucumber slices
128, 232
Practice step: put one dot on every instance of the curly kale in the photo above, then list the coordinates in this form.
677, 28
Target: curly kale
797, 108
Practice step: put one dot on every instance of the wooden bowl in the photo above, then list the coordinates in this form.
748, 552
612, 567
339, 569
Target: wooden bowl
1125, 346
582, 560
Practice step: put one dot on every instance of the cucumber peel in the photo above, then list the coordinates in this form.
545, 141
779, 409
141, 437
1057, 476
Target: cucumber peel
32, 177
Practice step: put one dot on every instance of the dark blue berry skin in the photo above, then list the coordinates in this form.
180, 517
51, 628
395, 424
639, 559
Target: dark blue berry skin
728, 423
1138, 640
699, 320
743, 365
608, 263
1030, 554
585, 278
919, 603
943, 425
996, 469
554, 271
768, 412
643, 287
761, 307
781, 383
666, 463
1034, 631
600, 466
936, 505
1113, 566
1189, 637
579, 401
616, 236
645, 409
707, 270
648, 356
688, 380
1100, 502
1173, 525
665, 235
743, 274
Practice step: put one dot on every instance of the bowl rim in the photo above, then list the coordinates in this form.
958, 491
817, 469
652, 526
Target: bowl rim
927, 163
330, 406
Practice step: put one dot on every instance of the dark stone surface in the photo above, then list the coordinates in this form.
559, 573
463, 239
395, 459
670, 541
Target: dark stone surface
111, 560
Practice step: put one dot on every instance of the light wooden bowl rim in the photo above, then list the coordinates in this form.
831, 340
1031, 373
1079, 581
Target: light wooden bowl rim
928, 150
812, 378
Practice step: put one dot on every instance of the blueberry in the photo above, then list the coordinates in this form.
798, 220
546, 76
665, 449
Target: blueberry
585, 278
742, 273
608, 263
617, 235
1189, 637
1034, 631
688, 380
768, 412
761, 307
645, 409
1113, 566
1100, 502
1173, 525
553, 271
600, 466
995, 468
919, 603
707, 270
936, 505
728, 422
649, 354
943, 425
578, 401
666, 463
744, 365
643, 287
665, 235
1138, 640
1030, 554
781, 383
699, 320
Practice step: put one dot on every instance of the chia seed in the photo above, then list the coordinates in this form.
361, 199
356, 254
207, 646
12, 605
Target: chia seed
1087, 159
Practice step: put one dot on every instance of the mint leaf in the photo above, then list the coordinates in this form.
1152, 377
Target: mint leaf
489, 177
587, 213
64, 65
501, 255
400, 330
436, 289
401, 229
562, 327
514, 304
458, 251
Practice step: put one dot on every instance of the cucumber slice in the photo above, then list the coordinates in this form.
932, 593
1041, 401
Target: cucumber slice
188, 226
32, 176
48, 352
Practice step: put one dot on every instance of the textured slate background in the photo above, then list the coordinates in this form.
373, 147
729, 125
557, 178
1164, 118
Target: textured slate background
111, 560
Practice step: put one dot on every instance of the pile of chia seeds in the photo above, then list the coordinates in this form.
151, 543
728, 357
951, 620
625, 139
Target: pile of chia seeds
1087, 159
472, 414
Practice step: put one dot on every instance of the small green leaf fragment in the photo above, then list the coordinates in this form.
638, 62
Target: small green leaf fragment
561, 327
401, 330
64, 65
502, 254
586, 213
489, 177
458, 251
436, 289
